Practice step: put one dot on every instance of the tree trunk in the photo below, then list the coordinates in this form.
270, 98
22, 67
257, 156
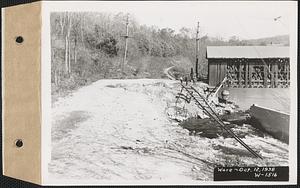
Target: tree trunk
69, 58
75, 50
56, 77
69, 45
66, 54
81, 29
62, 23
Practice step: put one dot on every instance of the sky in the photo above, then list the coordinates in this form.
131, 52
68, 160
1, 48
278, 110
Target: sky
247, 20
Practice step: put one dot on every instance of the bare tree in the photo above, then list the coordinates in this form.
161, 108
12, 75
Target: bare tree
68, 25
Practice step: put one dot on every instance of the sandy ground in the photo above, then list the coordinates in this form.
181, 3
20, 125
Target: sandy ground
119, 130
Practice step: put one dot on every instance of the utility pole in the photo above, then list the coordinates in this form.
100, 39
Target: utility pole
197, 51
125, 51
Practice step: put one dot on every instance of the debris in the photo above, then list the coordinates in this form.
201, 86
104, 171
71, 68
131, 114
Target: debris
202, 103
127, 147
201, 115
195, 168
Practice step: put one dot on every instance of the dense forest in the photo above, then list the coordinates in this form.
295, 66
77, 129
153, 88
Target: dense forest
86, 47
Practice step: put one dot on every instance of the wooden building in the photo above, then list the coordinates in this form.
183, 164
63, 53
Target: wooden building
249, 66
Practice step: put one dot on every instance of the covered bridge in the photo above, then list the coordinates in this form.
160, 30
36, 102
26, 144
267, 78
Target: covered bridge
249, 66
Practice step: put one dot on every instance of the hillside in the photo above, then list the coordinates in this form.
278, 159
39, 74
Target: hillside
275, 40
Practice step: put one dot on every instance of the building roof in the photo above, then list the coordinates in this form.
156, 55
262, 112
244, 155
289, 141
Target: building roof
251, 52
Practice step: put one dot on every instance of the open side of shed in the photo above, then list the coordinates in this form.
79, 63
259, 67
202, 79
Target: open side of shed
249, 66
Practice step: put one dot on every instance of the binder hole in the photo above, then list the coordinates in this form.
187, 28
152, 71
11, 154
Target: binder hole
19, 39
19, 143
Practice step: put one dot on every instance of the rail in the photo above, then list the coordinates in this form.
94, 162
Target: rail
213, 115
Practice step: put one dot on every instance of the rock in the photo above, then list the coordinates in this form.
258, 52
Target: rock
180, 118
233, 106
195, 168
213, 99
228, 109
202, 115
223, 105
127, 147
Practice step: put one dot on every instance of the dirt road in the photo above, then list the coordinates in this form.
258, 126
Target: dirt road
166, 71
108, 133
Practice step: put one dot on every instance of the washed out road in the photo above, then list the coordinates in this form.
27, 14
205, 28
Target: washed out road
118, 130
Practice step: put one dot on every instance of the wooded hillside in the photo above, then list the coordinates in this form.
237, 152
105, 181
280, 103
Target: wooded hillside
86, 47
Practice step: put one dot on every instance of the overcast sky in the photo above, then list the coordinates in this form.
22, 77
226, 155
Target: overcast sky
218, 19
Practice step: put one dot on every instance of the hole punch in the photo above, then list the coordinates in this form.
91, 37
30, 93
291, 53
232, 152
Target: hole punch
19, 143
19, 39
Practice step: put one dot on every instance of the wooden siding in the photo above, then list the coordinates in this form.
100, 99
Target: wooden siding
216, 71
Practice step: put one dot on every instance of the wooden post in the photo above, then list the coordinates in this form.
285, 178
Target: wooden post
125, 51
240, 73
275, 74
265, 76
250, 73
197, 51
246, 74
197, 75
272, 74
192, 75
288, 72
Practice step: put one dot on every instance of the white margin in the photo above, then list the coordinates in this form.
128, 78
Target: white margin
293, 94
45, 91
